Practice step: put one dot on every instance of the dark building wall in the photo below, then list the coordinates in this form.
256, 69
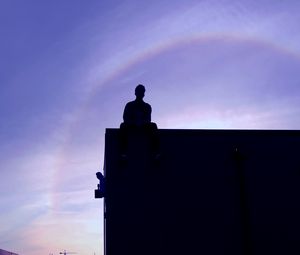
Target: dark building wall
212, 192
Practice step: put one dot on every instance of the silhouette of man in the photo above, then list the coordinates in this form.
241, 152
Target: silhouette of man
137, 113
137, 116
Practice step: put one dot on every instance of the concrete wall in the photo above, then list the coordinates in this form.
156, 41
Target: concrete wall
212, 192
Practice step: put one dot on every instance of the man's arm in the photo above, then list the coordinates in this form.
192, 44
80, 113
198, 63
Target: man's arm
125, 114
128, 114
148, 113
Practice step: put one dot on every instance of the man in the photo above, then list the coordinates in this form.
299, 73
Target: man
137, 113
137, 116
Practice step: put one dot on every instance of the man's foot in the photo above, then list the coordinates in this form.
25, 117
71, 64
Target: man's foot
123, 157
156, 158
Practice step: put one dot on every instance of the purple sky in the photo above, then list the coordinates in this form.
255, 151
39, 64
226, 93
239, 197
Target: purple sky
68, 68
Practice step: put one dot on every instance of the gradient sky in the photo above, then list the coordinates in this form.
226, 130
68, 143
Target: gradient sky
68, 67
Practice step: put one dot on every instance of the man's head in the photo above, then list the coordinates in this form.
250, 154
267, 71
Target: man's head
140, 91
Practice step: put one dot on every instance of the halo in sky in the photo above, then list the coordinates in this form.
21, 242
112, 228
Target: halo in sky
213, 80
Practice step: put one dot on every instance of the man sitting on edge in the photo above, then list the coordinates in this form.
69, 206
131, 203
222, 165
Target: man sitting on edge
137, 115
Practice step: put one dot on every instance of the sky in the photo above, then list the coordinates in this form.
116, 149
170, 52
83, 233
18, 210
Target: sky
68, 67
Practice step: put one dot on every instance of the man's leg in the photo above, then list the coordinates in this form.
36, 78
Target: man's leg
123, 139
152, 130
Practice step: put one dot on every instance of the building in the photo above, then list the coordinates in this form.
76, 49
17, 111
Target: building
3, 252
211, 192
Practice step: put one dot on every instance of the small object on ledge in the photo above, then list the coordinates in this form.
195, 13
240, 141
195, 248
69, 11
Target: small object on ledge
99, 192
